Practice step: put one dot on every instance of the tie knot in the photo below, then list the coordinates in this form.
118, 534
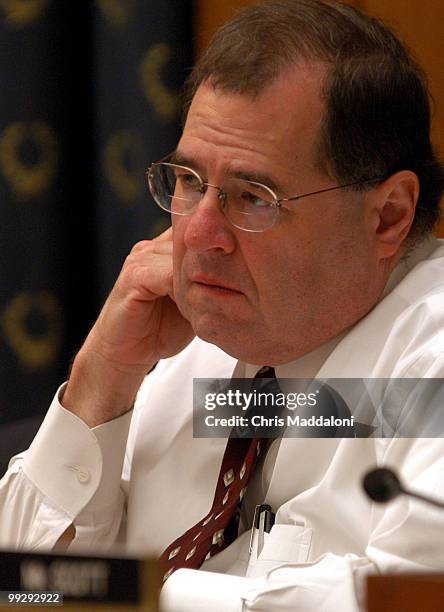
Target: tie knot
266, 372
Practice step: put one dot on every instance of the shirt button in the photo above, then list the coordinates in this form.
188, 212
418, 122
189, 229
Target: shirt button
84, 476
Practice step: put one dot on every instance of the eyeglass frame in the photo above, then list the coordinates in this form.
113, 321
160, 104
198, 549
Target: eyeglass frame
277, 202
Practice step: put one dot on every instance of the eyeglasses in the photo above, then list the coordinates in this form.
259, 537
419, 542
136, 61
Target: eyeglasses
248, 205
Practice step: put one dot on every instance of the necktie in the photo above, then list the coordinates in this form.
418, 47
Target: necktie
218, 528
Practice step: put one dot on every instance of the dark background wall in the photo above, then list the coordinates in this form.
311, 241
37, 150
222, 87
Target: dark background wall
90, 97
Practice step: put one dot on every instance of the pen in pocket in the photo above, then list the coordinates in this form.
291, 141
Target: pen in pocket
263, 521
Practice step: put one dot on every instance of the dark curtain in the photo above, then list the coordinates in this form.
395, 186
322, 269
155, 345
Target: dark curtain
90, 96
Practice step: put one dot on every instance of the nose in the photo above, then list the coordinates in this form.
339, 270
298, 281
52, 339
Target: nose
207, 227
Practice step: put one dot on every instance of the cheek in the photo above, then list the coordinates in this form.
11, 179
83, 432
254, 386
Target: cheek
274, 277
291, 275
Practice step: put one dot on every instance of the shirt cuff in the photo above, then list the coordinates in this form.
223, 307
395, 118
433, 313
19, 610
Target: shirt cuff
65, 461
199, 591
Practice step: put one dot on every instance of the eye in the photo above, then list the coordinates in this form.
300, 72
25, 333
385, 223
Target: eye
252, 199
252, 196
187, 180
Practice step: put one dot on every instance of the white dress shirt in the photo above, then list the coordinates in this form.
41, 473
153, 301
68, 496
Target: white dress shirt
142, 480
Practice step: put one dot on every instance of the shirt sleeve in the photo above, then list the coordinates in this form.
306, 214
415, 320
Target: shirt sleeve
61, 481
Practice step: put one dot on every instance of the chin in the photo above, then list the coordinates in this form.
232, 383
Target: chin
227, 336
234, 341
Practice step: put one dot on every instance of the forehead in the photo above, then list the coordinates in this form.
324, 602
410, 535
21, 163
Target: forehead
279, 128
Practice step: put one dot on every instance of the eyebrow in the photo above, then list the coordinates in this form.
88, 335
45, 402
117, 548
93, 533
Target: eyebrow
258, 177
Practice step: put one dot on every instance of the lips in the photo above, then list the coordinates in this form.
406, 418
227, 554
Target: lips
213, 283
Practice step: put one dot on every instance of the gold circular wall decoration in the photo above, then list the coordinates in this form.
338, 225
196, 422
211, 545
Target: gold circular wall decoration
117, 12
164, 101
29, 180
21, 13
34, 351
127, 180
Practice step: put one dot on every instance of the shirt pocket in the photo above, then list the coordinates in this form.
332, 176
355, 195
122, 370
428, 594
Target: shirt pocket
284, 544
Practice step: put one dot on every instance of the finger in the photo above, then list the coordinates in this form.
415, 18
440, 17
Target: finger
162, 248
161, 244
156, 277
141, 246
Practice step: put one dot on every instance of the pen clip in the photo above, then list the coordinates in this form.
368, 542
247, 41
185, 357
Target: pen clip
253, 526
262, 520
261, 529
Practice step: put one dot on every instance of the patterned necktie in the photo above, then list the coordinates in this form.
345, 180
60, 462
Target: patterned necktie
218, 528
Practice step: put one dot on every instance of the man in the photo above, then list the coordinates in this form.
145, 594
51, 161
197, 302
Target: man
292, 98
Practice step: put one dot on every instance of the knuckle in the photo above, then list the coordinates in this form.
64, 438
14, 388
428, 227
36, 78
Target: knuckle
139, 252
141, 246
144, 269
129, 276
139, 276
133, 274
169, 275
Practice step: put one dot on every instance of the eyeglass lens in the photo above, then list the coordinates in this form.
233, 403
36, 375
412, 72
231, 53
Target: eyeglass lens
247, 205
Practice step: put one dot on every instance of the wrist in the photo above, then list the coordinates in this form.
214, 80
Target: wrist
98, 390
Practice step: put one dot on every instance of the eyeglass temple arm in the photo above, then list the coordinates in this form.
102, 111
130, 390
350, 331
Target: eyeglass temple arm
305, 195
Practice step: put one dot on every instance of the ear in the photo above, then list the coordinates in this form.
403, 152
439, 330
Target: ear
394, 203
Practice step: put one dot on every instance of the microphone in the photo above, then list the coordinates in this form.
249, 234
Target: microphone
382, 485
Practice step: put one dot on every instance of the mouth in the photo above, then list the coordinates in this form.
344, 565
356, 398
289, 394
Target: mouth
214, 285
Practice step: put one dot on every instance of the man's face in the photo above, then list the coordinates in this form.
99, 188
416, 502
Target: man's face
269, 297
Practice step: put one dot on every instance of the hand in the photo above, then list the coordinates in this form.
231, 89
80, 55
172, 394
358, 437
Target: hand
139, 324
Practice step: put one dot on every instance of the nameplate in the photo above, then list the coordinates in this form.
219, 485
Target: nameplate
81, 578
